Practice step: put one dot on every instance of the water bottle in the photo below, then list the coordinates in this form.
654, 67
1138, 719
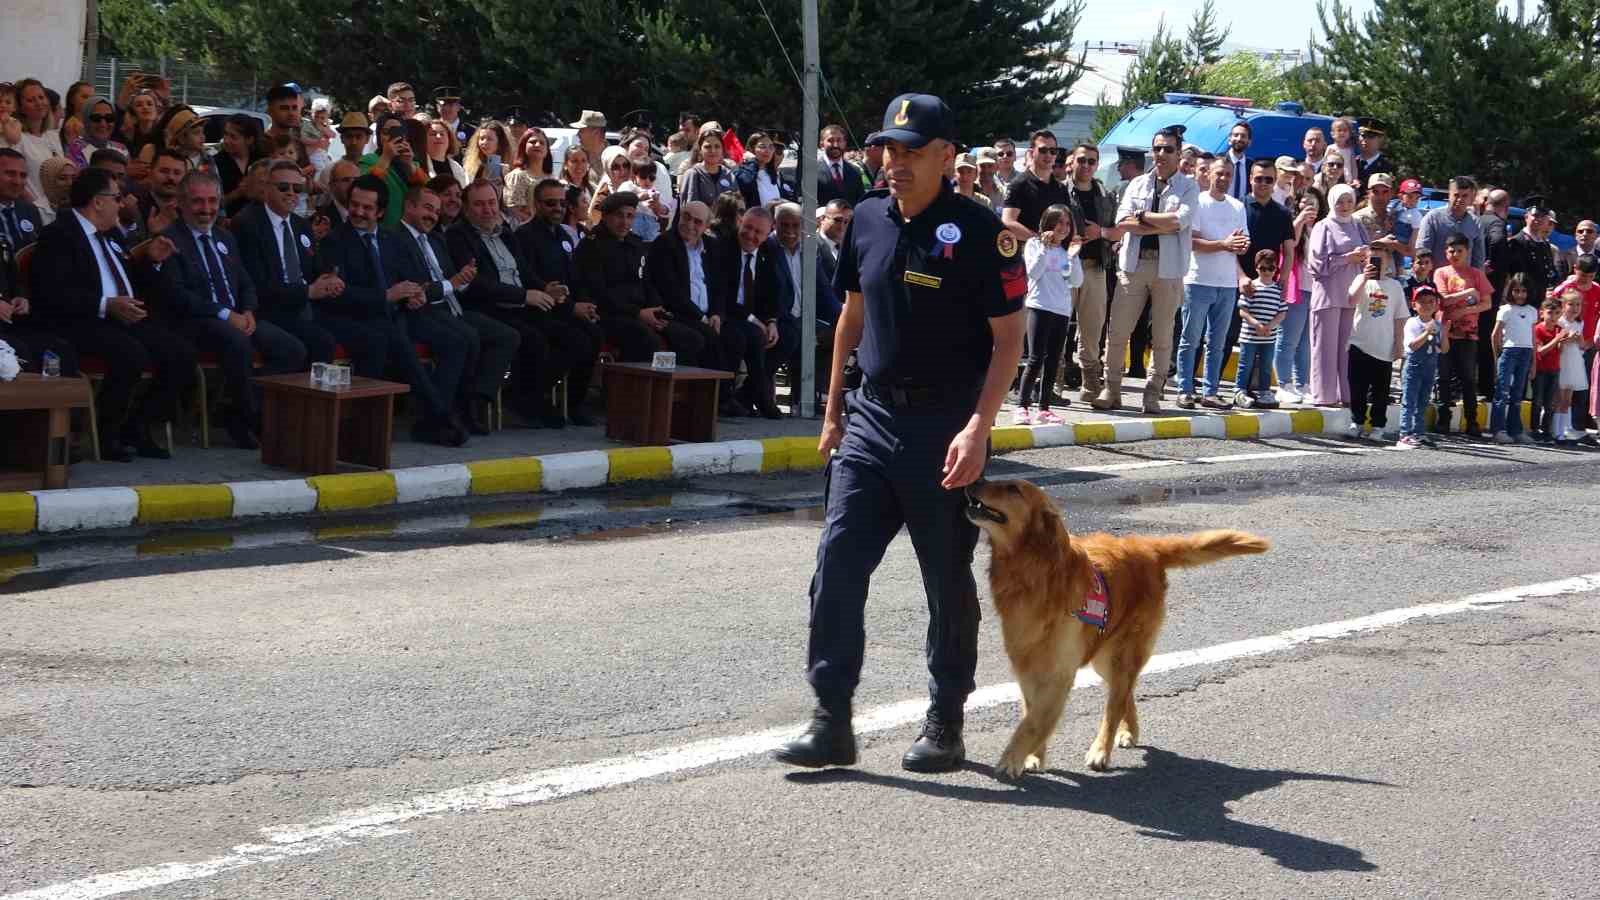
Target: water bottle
50, 365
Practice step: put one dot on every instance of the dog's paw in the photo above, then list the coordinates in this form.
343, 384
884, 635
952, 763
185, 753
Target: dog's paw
1013, 765
1127, 739
1034, 762
1098, 758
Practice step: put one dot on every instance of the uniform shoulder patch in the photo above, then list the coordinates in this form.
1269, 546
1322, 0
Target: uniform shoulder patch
1006, 243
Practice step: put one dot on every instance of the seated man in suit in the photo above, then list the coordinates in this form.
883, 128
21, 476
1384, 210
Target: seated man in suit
574, 324
683, 265
507, 290
610, 266
786, 245
275, 247
19, 227
368, 310
212, 302
441, 320
20, 221
753, 310
99, 297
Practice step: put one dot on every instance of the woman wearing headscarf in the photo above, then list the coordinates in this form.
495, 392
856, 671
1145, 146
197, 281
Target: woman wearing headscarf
98, 116
56, 175
617, 168
1336, 254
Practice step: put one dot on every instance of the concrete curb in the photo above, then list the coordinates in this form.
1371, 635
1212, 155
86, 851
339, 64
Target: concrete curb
83, 509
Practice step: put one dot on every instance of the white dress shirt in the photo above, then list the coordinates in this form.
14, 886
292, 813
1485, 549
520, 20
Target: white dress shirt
435, 271
793, 259
697, 278
108, 275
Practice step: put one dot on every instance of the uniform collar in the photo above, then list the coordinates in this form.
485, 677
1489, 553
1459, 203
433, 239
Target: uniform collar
946, 192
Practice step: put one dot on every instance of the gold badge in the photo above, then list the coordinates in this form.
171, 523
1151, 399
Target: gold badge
900, 118
1006, 243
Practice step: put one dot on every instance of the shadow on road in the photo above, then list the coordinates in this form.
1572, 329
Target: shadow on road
1170, 797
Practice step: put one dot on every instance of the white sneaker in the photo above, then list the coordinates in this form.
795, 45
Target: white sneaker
1407, 443
1302, 392
1353, 431
1022, 416
1501, 437
1287, 394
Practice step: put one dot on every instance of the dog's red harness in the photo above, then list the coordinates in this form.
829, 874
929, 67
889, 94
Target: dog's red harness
1097, 603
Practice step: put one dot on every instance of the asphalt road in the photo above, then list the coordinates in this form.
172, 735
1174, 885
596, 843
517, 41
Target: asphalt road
479, 712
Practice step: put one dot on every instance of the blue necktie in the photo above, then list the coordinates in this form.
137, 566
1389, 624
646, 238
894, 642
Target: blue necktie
214, 272
377, 260
11, 226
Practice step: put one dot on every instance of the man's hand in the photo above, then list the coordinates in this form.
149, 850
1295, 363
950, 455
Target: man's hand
1358, 255
250, 322
156, 250
464, 276
558, 290
7, 310
540, 300
238, 322
138, 169
402, 291
11, 130
832, 435
716, 323
771, 329
327, 285
1237, 243
1091, 231
964, 461
586, 312
1246, 286
160, 219
652, 316
126, 310
20, 306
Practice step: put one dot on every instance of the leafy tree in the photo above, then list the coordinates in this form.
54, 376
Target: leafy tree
1203, 46
1245, 74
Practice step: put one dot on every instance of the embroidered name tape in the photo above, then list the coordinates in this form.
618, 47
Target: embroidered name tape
922, 280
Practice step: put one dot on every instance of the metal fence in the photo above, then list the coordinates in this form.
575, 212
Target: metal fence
192, 84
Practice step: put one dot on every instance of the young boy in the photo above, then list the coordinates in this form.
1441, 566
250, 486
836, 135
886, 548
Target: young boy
1262, 314
1375, 343
1547, 343
1463, 292
1421, 272
1425, 342
1512, 340
653, 207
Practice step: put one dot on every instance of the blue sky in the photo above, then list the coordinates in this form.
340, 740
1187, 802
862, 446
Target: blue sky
1283, 25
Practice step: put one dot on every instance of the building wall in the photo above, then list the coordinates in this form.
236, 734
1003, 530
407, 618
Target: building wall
42, 39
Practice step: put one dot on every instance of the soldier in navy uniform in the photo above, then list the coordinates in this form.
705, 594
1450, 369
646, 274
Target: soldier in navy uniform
933, 287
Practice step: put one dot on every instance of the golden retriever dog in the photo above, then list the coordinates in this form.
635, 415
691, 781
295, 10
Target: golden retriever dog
1042, 577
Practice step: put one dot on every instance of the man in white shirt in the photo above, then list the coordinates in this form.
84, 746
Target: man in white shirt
1210, 290
1155, 216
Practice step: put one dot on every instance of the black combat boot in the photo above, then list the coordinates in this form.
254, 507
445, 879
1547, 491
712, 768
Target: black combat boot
939, 747
827, 741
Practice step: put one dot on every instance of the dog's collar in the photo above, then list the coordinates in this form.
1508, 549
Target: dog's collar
1096, 609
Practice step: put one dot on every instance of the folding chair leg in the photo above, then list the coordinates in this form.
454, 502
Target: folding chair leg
94, 420
171, 447
499, 408
205, 408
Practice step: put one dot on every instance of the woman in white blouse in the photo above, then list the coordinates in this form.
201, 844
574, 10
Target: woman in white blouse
39, 139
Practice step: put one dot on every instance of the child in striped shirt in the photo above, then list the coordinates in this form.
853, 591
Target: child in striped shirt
1262, 313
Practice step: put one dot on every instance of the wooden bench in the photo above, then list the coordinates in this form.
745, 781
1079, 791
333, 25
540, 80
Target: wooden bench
650, 406
34, 421
312, 429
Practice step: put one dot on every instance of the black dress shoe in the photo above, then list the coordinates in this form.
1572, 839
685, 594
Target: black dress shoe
552, 418
441, 433
115, 451
242, 438
828, 741
731, 408
770, 410
577, 419
151, 450
939, 748
476, 421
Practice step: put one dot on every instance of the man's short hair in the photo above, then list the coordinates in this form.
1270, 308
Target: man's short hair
374, 184
1463, 183
8, 153
1265, 162
760, 212
826, 129
169, 153
441, 183
399, 86
1551, 304
101, 158
284, 165
784, 210
546, 184
1170, 133
198, 177
837, 206
1587, 263
283, 92
1043, 133
415, 192
1422, 253
89, 184
688, 116
1457, 239
1085, 145
1245, 125
479, 185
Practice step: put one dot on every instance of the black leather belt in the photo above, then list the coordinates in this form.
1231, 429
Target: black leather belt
919, 396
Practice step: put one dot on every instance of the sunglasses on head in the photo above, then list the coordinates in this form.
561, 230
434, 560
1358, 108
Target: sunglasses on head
289, 187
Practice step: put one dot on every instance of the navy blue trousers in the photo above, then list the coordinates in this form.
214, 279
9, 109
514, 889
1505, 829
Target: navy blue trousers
885, 475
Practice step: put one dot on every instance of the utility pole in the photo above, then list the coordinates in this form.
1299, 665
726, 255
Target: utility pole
91, 43
806, 391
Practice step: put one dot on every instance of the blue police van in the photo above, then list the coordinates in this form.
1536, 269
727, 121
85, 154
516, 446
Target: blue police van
1207, 120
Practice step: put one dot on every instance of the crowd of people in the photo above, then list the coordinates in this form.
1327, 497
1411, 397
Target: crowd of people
1322, 269
471, 260
463, 260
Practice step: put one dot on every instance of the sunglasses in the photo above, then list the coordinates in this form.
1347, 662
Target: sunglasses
1163, 149
1087, 161
1263, 179
553, 201
1333, 164
289, 187
105, 118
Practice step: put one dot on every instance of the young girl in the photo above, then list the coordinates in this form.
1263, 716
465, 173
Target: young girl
1512, 340
1572, 373
1053, 272
1548, 338
1425, 339
1344, 141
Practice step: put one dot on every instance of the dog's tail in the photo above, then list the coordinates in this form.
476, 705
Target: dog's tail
1203, 547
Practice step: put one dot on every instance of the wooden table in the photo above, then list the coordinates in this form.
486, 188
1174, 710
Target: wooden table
312, 429
34, 430
651, 406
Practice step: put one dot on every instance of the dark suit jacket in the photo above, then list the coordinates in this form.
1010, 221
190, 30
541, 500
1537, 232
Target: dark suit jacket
487, 291
65, 274
609, 275
745, 177
258, 250
764, 305
666, 267
414, 268
549, 253
344, 250
827, 304
190, 291
854, 184
27, 212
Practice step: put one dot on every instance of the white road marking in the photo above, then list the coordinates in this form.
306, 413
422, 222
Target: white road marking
381, 820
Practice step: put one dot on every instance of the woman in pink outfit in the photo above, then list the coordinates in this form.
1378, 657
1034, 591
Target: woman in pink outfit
1335, 256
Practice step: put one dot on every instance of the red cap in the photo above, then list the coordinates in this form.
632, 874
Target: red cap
1411, 186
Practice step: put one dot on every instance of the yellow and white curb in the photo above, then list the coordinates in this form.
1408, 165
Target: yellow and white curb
84, 509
